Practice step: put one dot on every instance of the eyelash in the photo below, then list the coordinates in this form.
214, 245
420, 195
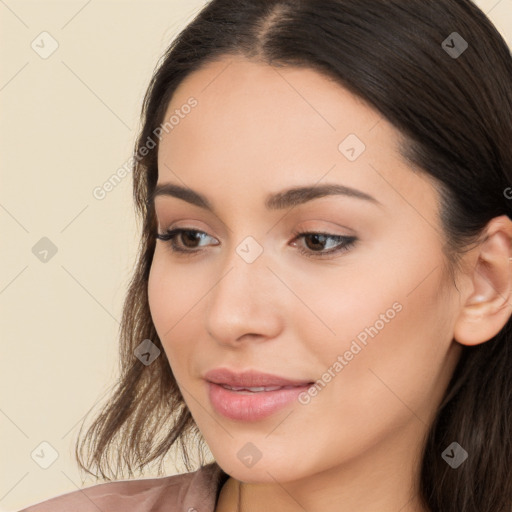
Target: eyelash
347, 242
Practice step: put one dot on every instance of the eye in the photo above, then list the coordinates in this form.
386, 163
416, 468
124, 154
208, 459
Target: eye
316, 242
188, 236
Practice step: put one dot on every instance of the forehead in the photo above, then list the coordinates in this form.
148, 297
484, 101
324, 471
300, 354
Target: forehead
257, 126
249, 111
234, 88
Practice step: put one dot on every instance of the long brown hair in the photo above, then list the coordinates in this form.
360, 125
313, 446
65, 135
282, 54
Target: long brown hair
440, 72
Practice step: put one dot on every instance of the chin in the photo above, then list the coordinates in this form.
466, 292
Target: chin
263, 471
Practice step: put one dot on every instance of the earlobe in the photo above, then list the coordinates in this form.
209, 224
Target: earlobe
488, 306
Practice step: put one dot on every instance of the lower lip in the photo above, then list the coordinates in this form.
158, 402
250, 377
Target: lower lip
251, 406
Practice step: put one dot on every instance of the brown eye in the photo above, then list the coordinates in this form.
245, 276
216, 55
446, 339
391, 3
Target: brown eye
317, 241
188, 238
316, 244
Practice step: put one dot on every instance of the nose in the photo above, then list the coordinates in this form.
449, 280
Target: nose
245, 303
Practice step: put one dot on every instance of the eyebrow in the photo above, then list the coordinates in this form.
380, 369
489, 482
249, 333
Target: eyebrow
277, 201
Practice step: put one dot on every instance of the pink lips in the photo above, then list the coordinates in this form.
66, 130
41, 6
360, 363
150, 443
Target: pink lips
247, 405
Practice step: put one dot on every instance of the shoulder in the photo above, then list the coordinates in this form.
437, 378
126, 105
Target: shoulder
195, 490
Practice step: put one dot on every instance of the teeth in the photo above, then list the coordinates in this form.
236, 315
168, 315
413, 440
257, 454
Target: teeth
255, 390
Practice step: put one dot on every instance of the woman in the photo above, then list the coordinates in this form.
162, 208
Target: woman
323, 291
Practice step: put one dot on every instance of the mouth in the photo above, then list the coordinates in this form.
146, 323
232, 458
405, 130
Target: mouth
251, 380
251, 395
260, 389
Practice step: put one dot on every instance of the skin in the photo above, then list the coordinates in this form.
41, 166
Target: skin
355, 446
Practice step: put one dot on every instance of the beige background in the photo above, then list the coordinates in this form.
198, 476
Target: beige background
68, 123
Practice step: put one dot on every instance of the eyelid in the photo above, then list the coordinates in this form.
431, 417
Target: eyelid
189, 225
328, 227
303, 226
344, 243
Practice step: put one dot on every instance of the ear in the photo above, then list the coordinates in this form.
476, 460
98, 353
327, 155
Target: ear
487, 305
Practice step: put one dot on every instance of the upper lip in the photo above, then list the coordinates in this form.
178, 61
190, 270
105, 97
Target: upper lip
250, 378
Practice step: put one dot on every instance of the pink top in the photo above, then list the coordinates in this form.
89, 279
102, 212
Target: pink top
197, 491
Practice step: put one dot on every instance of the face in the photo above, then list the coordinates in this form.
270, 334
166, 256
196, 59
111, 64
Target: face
361, 306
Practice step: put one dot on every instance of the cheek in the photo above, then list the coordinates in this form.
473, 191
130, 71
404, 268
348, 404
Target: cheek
386, 362
172, 293
175, 298
160, 295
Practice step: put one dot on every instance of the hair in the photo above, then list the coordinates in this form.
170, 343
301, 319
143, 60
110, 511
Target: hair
455, 119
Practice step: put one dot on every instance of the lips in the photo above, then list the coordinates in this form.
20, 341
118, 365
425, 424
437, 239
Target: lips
252, 380
255, 389
251, 395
